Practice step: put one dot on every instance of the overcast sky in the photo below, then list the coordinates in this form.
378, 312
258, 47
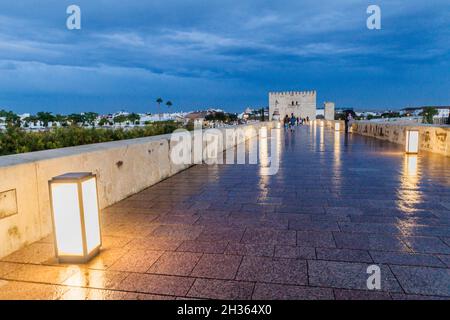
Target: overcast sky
228, 54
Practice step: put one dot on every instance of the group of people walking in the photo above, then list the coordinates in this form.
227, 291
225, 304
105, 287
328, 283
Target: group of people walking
292, 121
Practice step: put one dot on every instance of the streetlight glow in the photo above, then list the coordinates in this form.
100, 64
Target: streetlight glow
412, 141
75, 214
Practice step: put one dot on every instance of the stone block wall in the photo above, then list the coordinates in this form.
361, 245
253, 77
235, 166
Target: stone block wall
432, 138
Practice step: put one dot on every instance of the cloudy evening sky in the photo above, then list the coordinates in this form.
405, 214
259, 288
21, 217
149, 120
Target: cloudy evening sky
227, 54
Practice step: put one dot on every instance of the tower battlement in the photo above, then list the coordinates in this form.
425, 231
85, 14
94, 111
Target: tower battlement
292, 93
299, 103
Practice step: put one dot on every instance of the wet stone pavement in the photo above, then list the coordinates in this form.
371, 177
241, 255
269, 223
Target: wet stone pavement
336, 206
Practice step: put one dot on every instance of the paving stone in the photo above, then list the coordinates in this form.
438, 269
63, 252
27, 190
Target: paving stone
423, 280
203, 246
219, 266
270, 236
177, 219
175, 263
445, 259
294, 252
110, 242
221, 289
314, 226
157, 284
403, 258
7, 267
154, 243
402, 296
242, 249
15, 290
96, 279
106, 258
268, 291
347, 275
42, 274
348, 255
261, 269
342, 294
136, 261
315, 239
365, 241
391, 229
178, 232
427, 245
35, 253
99, 294
221, 234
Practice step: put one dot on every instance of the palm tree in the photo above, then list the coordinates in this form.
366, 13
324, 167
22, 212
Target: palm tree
159, 101
169, 104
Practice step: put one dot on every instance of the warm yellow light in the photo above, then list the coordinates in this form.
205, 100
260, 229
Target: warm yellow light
337, 126
322, 123
75, 215
263, 133
412, 141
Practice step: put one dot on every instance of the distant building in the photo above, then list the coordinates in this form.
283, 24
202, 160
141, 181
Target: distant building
443, 111
301, 103
329, 110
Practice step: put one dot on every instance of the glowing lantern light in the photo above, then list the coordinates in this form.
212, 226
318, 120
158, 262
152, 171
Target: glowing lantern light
337, 126
412, 141
75, 214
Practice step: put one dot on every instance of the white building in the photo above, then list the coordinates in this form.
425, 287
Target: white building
300, 103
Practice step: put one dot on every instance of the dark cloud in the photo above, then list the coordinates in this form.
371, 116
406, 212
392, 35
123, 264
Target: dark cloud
227, 53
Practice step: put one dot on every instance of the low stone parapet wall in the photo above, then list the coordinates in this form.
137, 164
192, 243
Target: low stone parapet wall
432, 138
123, 168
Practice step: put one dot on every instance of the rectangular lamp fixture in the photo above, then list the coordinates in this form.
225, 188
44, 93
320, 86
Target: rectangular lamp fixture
337, 126
75, 215
412, 141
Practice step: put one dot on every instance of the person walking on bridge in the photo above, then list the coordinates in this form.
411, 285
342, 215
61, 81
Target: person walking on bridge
293, 120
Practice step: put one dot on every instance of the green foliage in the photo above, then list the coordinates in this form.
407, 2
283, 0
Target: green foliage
221, 116
11, 118
76, 119
390, 115
45, 117
16, 140
428, 114
134, 118
120, 119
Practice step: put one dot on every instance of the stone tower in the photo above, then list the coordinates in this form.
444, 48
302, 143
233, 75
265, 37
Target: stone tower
329, 110
301, 103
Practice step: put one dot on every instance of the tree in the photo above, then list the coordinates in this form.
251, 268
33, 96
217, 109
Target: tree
11, 118
102, 122
428, 114
120, 119
76, 119
45, 118
90, 117
31, 119
134, 118
61, 119
159, 101
169, 104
